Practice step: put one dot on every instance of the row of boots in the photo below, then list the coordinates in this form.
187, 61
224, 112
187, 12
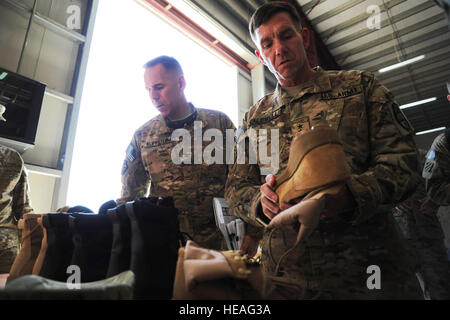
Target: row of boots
142, 236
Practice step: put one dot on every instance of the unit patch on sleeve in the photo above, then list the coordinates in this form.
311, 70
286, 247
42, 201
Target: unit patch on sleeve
131, 153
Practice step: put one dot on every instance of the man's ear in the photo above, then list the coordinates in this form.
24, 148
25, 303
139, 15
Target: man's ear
306, 35
181, 82
260, 57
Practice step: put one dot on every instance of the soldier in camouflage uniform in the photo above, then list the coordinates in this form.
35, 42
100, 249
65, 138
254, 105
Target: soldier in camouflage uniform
437, 170
423, 231
336, 260
14, 202
149, 158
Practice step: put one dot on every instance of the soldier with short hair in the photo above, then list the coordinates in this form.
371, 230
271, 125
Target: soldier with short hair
150, 155
356, 235
14, 202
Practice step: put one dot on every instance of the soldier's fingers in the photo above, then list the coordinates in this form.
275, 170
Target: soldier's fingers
269, 193
270, 180
269, 207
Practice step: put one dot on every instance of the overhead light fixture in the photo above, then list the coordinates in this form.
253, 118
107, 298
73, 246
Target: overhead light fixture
431, 130
3, 75
416, 103
402, 64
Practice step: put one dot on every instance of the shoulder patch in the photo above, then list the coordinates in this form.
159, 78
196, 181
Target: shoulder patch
131, 153
399, 118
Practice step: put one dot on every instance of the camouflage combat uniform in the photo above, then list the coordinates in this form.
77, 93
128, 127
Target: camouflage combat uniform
191, 185
377, 140
437, 171
425, 236
14, 202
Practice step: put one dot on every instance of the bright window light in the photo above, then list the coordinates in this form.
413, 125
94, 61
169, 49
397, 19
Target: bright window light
115, 102
416, 103
429, 131
402, 64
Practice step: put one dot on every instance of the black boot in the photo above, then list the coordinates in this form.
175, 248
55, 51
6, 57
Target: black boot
92, 239
121, 244
58, 254
154, 246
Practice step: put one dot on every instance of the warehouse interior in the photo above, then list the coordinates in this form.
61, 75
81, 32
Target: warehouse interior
50, 41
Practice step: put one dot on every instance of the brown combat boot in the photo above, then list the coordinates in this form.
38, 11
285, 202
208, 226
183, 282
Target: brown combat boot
30, 246
316, 163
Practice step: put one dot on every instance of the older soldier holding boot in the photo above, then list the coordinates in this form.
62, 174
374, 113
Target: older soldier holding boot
353, 249
149, 156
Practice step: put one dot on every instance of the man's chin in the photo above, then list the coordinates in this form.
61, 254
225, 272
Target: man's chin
163, 112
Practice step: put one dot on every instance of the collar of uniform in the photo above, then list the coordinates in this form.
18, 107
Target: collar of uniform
319, 83
183, 122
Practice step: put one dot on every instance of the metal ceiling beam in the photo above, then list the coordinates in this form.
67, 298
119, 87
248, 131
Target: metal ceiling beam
58, 95
409, 43
435, 71
362, 17
435, 91
420, 64
333, 12
388, 37
242, 7
233, 10
421, 86
254, 4
45, 22
384, 23
230, 17
419, 52
307, 7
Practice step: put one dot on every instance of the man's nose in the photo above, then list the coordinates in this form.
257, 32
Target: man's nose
278, 46
154, 94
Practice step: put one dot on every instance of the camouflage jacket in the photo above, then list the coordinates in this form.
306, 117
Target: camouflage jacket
149, 161
437, 171
379, 147
14, 200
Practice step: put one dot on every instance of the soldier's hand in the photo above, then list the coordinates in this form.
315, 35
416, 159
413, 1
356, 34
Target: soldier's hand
269, 199
249, 245
404, 206
428, 206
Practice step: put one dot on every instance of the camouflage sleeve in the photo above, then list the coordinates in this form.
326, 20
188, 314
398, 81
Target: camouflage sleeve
21, 201
392, 172
242, 189
135, 180
250, 228
437, 171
